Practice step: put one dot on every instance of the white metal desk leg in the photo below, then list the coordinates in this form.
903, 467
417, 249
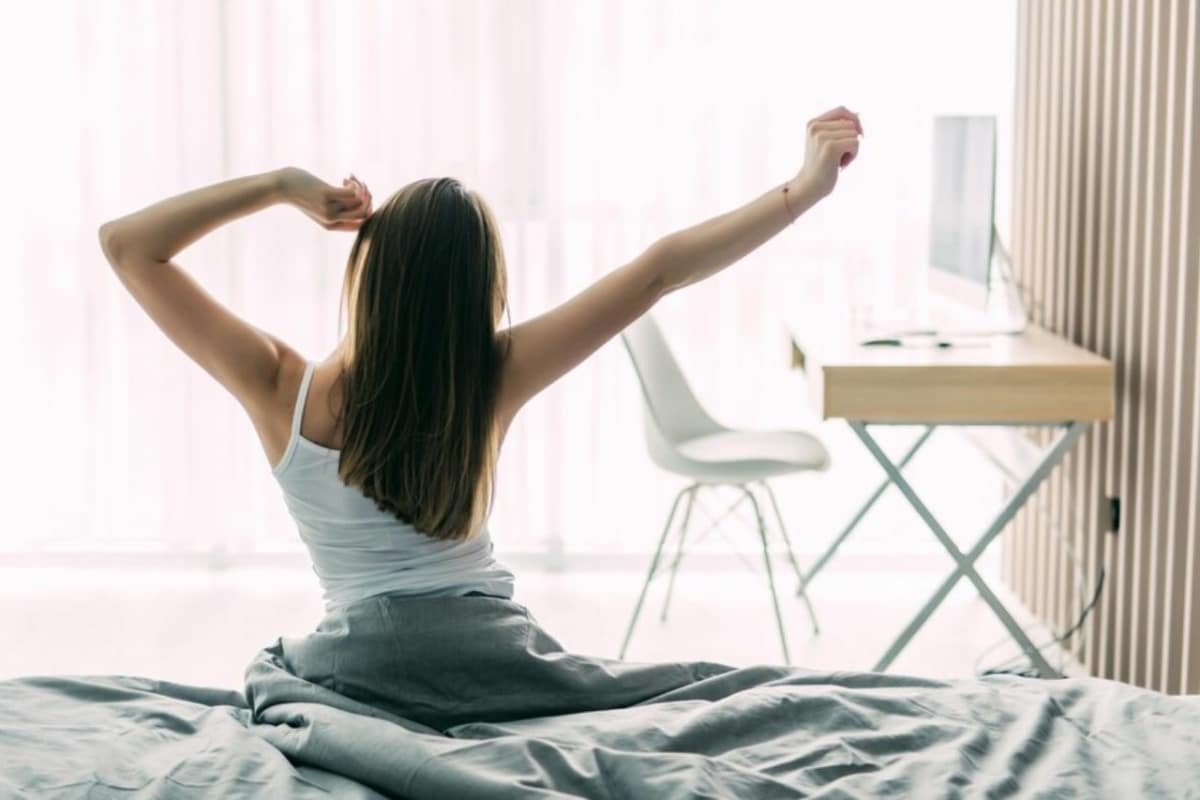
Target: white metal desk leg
1051, 456
807, 577
964, 563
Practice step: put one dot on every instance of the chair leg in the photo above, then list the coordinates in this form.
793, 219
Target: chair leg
783, 531
766, 550
683, 529
801, 588
637, 610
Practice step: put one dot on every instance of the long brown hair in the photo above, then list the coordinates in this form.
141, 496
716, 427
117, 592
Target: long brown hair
424, 290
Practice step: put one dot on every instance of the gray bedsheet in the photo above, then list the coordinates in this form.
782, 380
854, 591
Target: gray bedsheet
470, 697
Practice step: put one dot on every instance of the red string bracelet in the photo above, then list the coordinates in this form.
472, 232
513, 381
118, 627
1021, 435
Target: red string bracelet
791, 216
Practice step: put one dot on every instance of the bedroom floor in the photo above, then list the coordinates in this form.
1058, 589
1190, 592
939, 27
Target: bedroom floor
202, 627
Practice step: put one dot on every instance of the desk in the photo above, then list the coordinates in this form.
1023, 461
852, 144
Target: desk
1032, 378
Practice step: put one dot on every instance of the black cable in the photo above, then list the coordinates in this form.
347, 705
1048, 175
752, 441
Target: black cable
1009, 666
1087, 610
1030, 671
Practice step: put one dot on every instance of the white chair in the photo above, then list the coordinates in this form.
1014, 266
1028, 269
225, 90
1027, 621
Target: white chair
683, 439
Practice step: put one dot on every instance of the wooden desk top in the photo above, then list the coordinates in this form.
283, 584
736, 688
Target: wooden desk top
1032, 377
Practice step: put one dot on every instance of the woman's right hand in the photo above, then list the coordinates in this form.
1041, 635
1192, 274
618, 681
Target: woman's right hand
832, 144
333, 208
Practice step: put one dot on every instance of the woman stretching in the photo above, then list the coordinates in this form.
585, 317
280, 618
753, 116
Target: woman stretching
386, 450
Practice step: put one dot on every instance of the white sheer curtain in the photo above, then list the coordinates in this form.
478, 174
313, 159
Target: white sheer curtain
592, 128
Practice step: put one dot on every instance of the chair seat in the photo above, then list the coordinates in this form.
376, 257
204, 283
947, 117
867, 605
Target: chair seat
732, 456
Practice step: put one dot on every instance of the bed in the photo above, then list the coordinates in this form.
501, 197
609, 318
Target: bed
470, 697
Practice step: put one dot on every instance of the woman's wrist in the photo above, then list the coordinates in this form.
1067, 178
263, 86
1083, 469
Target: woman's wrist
281, 182
800, 195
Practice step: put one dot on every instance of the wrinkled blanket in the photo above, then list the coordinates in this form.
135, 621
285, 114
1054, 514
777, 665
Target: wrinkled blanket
470, 697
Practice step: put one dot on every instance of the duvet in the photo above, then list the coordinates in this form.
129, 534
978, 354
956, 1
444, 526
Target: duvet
469, 697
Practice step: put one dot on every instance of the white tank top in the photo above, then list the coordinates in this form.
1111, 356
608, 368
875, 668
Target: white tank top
359, 551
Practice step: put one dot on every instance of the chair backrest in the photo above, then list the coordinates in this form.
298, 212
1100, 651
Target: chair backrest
672, 410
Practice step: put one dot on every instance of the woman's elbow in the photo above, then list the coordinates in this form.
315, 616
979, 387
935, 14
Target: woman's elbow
111, 242
662, 265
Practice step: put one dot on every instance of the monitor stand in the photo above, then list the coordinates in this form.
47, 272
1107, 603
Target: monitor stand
1005, 302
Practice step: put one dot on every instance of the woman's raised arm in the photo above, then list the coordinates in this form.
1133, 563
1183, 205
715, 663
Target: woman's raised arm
141, 247
543, 349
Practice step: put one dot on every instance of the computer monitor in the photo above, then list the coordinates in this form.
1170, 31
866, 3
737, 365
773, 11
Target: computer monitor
961, 222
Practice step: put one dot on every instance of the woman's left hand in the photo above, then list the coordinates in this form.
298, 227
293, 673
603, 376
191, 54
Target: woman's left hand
333, 208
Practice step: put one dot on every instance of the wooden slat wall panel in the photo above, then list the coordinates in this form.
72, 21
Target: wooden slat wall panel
1070, 297
1122, 304
1062, 91
1122, 553
1164, 610
1136, 462
1106, 245
1100, 194
1187, 498
1144, 384
1083, 512
1108, 307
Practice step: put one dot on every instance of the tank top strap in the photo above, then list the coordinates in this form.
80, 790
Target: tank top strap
297, 416
301, 399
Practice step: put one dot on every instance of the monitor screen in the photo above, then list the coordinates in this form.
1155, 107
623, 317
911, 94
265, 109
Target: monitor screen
964, 175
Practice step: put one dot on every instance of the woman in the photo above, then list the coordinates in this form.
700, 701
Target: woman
386, 450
